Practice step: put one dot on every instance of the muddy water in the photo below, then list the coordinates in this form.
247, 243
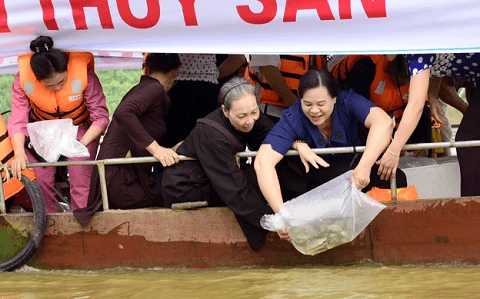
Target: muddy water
358, 281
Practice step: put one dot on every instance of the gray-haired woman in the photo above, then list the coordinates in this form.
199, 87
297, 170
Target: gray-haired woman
216, 176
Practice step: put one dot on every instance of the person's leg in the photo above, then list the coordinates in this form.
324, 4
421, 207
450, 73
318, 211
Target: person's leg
80, 175
469, 157
125, 189
45, 177
317, 177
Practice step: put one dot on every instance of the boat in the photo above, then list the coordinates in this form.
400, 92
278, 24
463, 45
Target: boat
418, 232
406, 232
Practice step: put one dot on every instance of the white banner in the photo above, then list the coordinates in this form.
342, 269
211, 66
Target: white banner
243, 26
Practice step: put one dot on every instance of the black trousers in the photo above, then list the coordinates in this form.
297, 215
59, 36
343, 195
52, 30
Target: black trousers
295, 181
469, 157
190, 100
248, 211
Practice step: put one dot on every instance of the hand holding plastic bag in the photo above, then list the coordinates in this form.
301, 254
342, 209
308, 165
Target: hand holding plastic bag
325, 217
53, 138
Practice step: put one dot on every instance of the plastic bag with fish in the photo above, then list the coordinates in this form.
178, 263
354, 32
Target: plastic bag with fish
325, 217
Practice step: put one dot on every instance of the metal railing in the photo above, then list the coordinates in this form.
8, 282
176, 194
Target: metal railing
338, 150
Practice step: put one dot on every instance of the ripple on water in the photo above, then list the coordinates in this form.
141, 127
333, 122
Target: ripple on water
362, 280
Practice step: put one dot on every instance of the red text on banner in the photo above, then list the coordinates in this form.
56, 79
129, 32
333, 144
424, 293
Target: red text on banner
372, 8
150, 20
3, 18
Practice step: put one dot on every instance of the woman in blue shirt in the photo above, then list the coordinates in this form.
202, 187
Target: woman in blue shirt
323, 117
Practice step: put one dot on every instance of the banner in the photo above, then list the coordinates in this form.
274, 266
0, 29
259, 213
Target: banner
243, 26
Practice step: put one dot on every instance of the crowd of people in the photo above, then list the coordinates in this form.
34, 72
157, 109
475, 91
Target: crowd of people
207, 109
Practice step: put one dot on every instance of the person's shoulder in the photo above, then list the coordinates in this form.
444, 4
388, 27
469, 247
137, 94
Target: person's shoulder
349, 98
215, 115
421, 59
345, 95
293, 111
292, 117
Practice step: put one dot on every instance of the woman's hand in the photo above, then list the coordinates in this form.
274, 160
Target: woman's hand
166, 156
436, 110
308, 156
360, 177
19, 163
283, 234
388, 165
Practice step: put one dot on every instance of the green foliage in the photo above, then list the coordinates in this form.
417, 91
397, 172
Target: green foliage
6, 92
116, 84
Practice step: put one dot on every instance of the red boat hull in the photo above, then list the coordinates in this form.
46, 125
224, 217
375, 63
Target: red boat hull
413, 232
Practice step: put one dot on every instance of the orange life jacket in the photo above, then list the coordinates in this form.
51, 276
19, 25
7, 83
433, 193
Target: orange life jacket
13, 186
69, 101
386, 94
292, 68
385, 195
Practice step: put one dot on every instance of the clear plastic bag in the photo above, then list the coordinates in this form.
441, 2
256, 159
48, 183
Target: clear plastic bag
325, 217
53, 138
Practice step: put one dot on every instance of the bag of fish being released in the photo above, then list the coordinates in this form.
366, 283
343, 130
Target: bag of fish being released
325, 217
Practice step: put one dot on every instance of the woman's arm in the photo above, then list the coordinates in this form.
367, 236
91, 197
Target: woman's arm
448, 93
416, 101
17, 126
230, 65
20, 157
96, 103
278, 84
267, 177
436, 109
166, 156
90, 135
381, 127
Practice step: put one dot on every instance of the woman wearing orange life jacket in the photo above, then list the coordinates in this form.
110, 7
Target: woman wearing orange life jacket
52, 84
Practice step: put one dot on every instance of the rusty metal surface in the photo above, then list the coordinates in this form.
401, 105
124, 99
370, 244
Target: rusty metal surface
428, 231
414, 232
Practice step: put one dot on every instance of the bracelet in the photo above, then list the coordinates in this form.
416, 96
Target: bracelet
390, 152
297, 141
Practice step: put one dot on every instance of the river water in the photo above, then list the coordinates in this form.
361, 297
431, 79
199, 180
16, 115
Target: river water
357, 281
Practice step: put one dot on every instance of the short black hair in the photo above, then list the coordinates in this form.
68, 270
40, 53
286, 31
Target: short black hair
162, 62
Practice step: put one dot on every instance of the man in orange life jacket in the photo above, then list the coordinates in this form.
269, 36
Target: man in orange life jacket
384, 81
56, 85
276, 78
